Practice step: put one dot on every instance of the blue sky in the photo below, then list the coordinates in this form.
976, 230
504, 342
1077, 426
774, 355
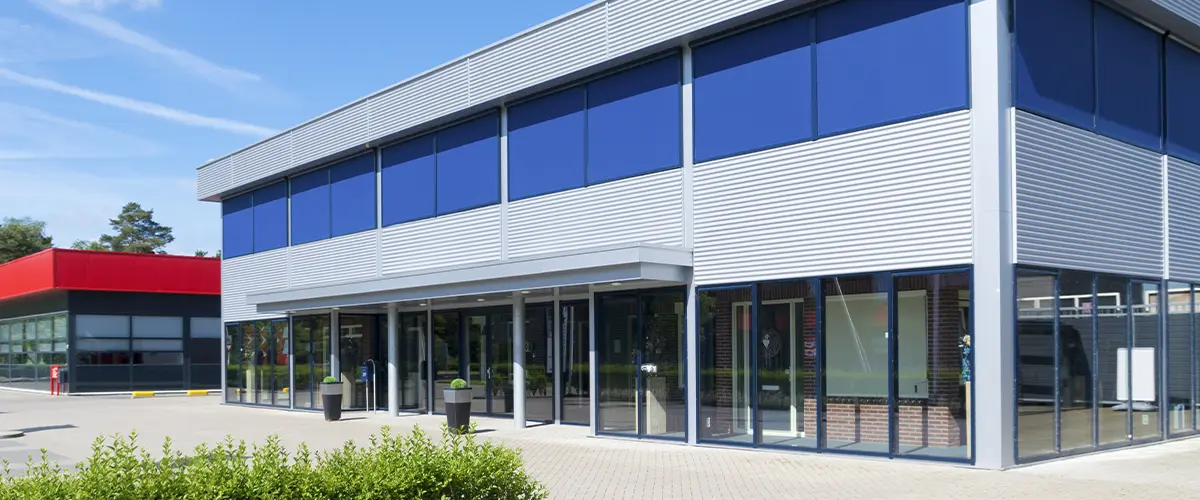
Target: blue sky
108, 101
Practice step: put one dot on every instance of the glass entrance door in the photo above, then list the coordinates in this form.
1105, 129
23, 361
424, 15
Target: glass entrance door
489, 338
642, 384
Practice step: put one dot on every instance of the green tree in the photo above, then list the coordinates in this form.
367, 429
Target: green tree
89, 245
137, 232
202, 253
21, 237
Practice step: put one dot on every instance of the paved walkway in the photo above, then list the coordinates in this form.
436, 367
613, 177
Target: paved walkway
576, 466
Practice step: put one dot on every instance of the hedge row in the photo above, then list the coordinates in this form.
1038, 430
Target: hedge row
390, 466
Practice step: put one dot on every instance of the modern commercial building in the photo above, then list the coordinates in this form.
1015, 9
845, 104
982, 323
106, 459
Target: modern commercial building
937, 229
112, 322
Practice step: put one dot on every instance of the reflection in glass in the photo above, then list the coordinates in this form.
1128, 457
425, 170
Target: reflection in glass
664, 394
933, 365
1112, 309
856, 363
576, 360
477, 345
321, 337
260, 383
725, 367
1076, 361
500, 361
234, 360
411, 365
1144, 367
787, 364
356, 345
311, 358
539, 367
279, 359
616, 349
1036, 421
446, 355
1179, 357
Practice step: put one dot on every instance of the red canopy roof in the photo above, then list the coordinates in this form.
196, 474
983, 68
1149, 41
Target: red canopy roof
61, 269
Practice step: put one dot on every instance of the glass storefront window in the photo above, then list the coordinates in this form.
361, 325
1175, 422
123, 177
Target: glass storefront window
856, 363
446, 355
1076, 340
1112, 310
576, 363
725, 365
412, 365
1144, 365
1180, 314
1036, 419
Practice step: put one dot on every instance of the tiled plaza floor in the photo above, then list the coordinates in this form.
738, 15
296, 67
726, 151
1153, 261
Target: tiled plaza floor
576, 466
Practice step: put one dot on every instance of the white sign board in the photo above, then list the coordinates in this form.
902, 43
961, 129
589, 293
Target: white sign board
1143, 374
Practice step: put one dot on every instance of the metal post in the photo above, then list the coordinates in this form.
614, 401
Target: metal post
291, 357
518, 346
593, 365
393, 352
557, 358
335, 327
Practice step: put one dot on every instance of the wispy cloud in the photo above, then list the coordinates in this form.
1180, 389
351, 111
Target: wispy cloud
30, 134
229, 78
136, 106
21, 42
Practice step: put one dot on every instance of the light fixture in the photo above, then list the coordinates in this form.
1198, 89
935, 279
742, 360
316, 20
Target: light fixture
337, 309
480, 300
524, 292
616, 283
422, 304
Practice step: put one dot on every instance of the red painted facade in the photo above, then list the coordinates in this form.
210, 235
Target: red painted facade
109, 272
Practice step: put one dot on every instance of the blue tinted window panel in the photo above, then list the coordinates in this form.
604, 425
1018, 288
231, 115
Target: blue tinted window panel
546, 144
1128, 80
1183, 102
352, 195
310, 207
753, 90
409, 173
1054, 54
634, 122
882, 61
270, 217
237, 226
468, 165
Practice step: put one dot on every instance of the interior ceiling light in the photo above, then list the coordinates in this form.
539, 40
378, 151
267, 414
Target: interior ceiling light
618, 283
524, 292
480, 299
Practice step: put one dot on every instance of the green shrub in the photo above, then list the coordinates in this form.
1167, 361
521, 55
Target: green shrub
458, 383
330, 380
390, 466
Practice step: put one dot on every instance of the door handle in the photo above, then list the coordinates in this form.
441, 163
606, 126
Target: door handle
489, 373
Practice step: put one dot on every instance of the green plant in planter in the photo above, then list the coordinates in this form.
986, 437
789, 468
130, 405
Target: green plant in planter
330, 380
458, 383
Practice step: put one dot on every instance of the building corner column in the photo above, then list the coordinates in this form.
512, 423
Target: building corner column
393, 353
993, 334
518, 371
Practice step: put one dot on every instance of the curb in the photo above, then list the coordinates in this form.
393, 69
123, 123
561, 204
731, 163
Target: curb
196, 392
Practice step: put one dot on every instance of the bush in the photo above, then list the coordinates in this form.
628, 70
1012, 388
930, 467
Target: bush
458, 383
329, 380
389, 466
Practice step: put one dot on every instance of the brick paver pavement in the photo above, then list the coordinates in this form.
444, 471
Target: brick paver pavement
576, 466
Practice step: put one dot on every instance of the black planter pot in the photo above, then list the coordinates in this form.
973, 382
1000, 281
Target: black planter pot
458, 409
331, 400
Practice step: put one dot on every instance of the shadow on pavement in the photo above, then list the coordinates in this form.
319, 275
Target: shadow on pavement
31, 430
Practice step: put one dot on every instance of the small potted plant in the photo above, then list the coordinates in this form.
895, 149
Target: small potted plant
458, 406
331, 399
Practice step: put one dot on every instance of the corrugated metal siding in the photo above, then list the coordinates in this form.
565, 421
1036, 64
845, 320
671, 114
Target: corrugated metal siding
253, 273
893, 197
644, 209
345, 258
214, 178
334, 133
570, 45
597, 33
634, 24
462, 238
1187, 9
1085, 201
440, 93
270, 157
1183, 186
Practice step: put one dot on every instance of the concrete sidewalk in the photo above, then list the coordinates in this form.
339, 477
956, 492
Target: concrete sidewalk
576, 466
